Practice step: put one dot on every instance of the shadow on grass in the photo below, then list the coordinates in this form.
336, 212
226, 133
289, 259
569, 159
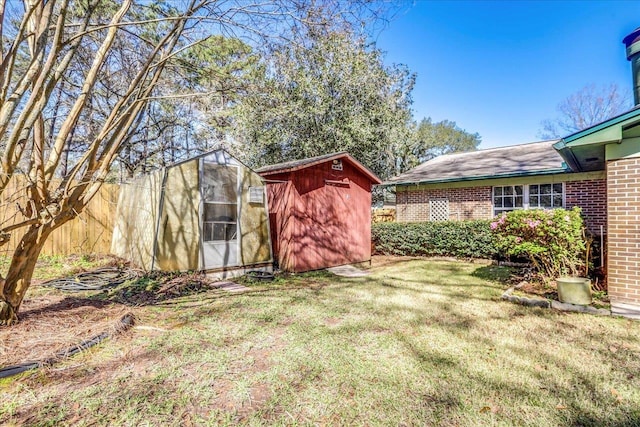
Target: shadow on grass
165, 289
494, 273
454, 382
68, 303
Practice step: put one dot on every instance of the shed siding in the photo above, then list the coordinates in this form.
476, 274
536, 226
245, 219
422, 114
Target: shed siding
255, 244
282, 197
161, 212
136, 218
319, 222
179, 231
623, 260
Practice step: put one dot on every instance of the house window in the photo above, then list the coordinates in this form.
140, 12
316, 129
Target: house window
507, 198
532, 196
546, 196
439, 210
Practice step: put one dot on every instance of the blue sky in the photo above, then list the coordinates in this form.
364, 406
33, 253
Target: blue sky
500, 68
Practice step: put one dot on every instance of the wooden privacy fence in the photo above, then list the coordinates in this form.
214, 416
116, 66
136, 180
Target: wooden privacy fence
383, 215
89, 233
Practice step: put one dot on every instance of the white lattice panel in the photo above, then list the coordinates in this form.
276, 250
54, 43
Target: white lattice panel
439, 210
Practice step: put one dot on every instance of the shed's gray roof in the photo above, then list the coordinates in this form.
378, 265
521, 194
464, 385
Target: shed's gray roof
535, 158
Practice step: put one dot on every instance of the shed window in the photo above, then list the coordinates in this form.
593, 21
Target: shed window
216, 231
256, 194
532, 196
439, 210
220, 205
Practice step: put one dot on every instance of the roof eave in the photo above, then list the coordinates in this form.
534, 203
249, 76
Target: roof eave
567, 154
365, 170
302, 166
477, 178
607, 123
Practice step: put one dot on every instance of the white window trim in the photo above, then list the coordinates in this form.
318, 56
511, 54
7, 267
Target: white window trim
525, 196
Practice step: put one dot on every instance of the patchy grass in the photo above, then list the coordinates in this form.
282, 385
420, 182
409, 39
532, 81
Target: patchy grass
418, 342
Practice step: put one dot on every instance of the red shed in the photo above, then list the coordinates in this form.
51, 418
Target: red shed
319, 211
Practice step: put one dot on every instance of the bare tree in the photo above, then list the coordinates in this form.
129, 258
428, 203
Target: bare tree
75, 78
585, 108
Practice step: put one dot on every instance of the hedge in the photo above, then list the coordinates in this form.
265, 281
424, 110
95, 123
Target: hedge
462, 239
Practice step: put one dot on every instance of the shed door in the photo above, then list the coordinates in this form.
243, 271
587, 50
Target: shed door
219, 186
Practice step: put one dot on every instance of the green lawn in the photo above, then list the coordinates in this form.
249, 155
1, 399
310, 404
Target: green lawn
418, 342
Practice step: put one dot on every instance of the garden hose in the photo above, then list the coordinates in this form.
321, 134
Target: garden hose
93, 280
122, 325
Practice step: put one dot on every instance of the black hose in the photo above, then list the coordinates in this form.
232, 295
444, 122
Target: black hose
93, 280
10, 371
123, 324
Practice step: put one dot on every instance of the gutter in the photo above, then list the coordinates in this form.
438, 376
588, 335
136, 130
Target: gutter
475, 178
567, 154
610, 122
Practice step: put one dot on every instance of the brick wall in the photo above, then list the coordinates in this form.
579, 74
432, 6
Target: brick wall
591, 196
623, 209
475, 202
464, 203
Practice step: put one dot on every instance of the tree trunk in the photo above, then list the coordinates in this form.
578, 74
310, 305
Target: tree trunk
14, 286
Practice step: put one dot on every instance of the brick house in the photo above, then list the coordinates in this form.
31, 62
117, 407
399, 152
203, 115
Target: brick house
597, 169
482, 184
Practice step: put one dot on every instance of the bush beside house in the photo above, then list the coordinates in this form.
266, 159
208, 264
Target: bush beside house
552, 239
463, 239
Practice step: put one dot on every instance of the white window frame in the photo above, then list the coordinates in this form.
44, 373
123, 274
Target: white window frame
525, 197
564, 195
499, 210
256, 194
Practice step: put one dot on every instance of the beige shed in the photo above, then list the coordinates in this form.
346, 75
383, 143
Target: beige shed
206, 213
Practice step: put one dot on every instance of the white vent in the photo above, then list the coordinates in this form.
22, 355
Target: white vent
336, 165
439, 210
256, 194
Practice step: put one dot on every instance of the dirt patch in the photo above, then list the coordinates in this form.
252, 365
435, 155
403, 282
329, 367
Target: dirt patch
244, 402
537, 289
332, 321
134, 363
52, 323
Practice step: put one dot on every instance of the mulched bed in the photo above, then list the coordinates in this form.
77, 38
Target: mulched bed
53, 322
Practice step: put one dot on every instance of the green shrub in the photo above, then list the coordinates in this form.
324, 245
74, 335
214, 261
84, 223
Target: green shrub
553, 240
463, 239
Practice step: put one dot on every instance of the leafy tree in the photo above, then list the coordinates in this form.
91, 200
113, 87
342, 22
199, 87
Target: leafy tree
585, 108
429, 140
78, 78
333, 93
214, 74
